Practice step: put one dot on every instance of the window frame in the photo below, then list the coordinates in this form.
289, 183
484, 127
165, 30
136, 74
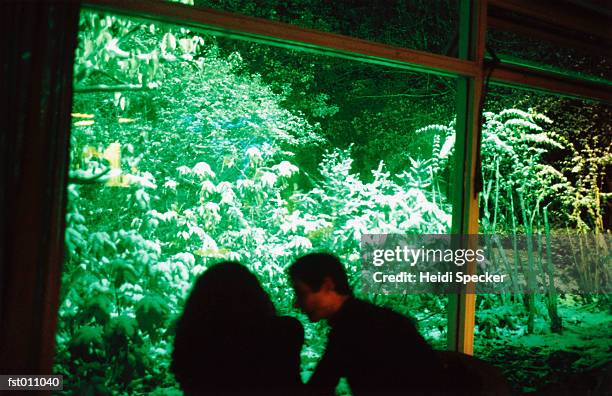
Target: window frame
46, 241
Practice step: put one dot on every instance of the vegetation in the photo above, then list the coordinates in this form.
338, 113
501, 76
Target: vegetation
187, 149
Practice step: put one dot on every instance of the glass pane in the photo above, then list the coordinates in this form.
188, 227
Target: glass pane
426, 25
546, 171
533, 52
187, 149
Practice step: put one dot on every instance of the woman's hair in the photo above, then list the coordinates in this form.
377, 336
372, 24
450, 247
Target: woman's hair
226, 303
224, 292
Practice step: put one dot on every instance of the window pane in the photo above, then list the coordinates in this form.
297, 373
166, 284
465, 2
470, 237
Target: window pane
546, 172
187, 149
426, 25
533, 52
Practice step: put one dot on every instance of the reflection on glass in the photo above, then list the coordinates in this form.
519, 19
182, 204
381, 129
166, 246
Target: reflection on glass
187, 149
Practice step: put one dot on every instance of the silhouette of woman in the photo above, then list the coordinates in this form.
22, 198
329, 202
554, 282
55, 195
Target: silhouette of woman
229, 340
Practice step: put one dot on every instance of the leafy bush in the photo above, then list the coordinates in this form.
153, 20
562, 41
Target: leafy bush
202, 169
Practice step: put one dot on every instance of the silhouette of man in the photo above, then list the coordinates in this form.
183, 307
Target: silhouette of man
379, 351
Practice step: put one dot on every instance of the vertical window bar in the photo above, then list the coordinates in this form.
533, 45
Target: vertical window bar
472, 30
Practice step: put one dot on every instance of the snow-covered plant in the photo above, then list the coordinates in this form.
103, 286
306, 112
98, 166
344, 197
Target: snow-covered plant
514, 143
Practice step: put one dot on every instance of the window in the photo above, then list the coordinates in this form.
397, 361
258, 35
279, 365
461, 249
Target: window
188, 148
545, 166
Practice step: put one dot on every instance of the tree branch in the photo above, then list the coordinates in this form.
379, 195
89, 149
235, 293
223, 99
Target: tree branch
114, 88
403, 95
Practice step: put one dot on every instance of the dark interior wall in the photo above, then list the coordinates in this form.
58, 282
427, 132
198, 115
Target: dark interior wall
38, 41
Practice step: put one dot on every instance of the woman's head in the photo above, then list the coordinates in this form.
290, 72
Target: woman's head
225, 307
228, 290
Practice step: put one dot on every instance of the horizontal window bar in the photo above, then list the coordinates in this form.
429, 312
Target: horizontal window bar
289, 36
294, 37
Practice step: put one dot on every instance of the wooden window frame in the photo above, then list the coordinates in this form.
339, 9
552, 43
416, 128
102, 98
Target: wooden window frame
469, 68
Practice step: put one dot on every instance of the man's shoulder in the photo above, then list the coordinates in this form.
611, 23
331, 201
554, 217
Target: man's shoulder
363, 316
372, 310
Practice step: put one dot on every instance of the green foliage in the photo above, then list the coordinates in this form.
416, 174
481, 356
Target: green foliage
586, 160
432, 22
206, 171
514, 146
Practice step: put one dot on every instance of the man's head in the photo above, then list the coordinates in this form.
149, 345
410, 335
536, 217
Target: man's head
320, 283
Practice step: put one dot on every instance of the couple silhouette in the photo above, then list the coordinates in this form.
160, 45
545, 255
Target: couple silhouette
230, 341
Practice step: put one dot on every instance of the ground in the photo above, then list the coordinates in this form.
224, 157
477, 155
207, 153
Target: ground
533, 362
